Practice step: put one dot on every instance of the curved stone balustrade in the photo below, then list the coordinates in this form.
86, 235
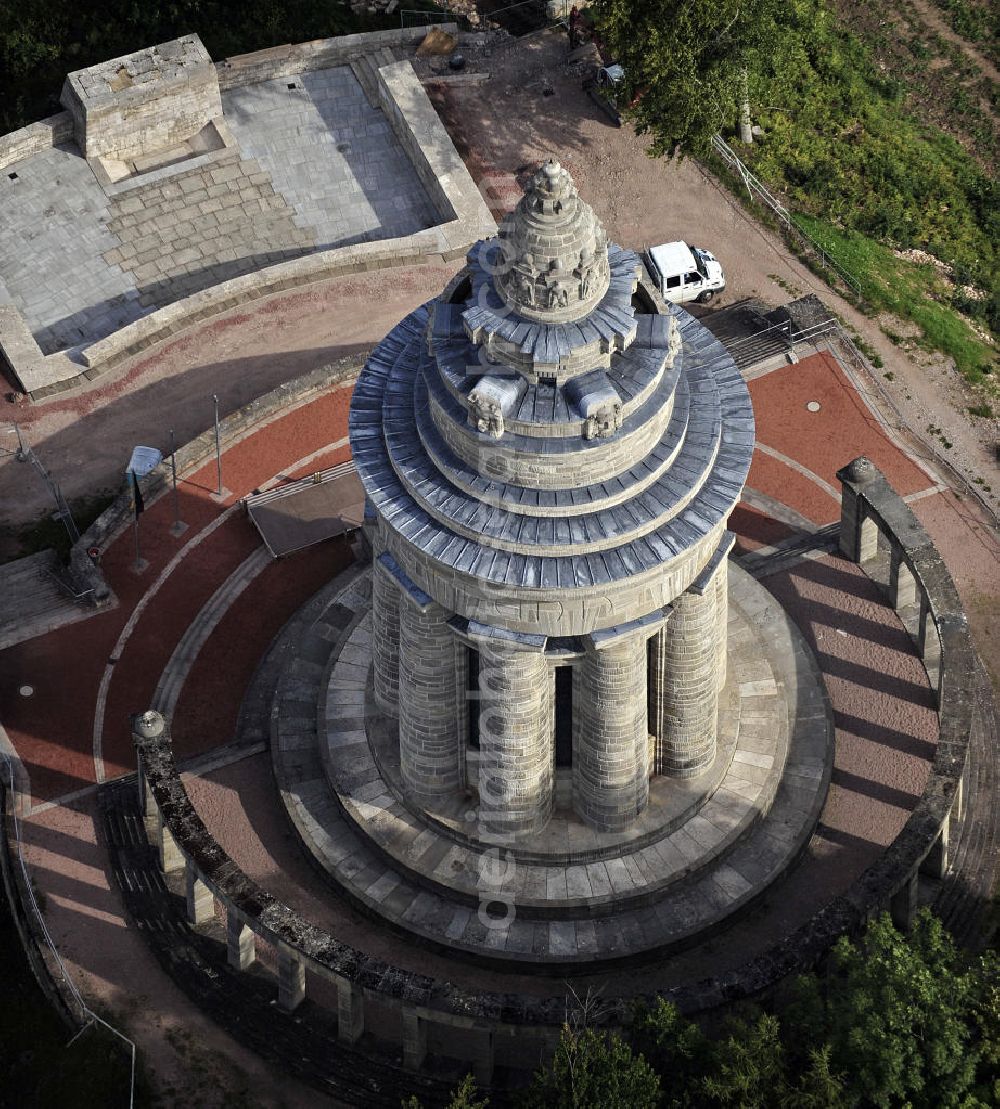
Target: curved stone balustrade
511, 1023
874, 520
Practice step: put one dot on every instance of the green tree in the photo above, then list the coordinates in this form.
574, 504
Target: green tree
903, 1016
677, 1050
464, 1096
690, 64
591, 1070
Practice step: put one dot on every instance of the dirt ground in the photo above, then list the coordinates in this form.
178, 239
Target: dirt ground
531, 108
642, 201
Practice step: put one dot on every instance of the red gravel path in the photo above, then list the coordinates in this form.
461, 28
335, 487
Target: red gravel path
787, 486
842, 429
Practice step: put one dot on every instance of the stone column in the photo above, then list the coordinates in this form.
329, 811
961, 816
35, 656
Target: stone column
721, 585
858, 537
432, 700
385, 639
656, 684
610, 741
516, 739
689, 702
291, 981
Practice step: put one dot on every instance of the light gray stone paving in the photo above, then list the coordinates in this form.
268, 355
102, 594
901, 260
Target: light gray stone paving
331, 155
53, 236
313, 167
199, 228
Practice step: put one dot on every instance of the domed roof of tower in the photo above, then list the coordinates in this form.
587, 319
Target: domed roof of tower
553, 265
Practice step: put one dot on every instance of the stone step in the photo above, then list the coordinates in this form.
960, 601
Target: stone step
365, 69
357, 865
37, 598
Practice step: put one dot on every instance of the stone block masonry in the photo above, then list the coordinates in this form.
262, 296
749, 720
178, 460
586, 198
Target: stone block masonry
151, 100
611, 738
515, 739
432, 704
188, 233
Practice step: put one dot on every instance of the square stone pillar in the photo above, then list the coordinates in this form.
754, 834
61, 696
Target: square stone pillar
516, 738
291, 980
200, 902
150, 814
902, 583
903, 905
414, 1040
350, 1011
433, 724
610, 733
171, 857
240, 944
935, 865
385, 639
858, 537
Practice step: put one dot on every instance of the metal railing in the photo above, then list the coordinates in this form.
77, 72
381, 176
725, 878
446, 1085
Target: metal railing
422, 18
759, 191
86, 1016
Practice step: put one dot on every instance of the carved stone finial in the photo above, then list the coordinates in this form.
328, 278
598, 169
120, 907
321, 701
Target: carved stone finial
148, 724
861, 470
555, 266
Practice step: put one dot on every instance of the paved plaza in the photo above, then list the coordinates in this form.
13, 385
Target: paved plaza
314, 166
194, 625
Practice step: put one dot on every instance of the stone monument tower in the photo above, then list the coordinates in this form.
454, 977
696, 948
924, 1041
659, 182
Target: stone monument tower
549, 470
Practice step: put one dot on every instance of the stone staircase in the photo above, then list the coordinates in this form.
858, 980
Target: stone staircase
366, 66
37, 597
750, 335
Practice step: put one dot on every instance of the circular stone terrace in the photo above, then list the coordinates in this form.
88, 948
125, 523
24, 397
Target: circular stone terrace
705, 848
197, 622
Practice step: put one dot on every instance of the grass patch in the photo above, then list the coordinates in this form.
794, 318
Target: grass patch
918, 293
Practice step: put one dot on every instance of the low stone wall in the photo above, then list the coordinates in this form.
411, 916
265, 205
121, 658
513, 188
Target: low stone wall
464, 214
85, 569
509, 1027
35, 138
301, 57
429, 1011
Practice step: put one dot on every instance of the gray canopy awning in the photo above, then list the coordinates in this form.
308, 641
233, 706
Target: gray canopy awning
308, 510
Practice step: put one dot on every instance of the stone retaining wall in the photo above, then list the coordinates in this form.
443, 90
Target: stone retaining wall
464, 214
85, 570
35, 138
301, 57
508, 1027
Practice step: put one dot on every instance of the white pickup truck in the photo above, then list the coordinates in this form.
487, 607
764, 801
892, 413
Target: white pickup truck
684, 273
